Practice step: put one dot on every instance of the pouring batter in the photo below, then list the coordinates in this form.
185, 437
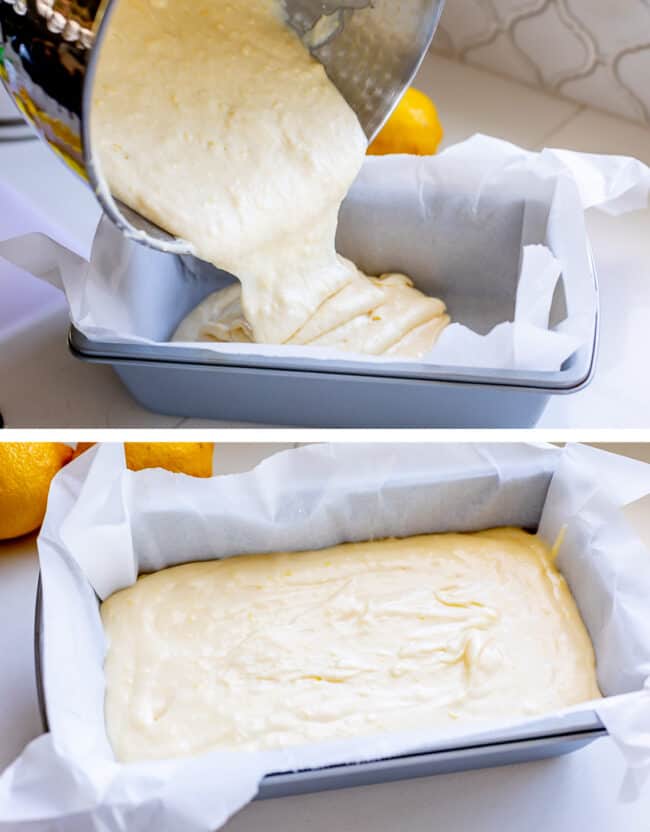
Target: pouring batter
214, 121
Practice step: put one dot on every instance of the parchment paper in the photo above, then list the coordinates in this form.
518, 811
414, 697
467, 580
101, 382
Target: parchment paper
485, 225
104, 524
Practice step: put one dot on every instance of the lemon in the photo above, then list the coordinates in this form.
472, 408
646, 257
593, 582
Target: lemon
194, 458
414, 127
26, 470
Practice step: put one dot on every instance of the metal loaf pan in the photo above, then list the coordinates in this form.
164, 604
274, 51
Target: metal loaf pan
515, 747
192, 382
445, 398
195, 381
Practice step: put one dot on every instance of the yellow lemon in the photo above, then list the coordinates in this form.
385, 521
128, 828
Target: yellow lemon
414, 127
194, 458
26, 470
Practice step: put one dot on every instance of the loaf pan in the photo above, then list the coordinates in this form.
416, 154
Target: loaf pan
192, 383
521, 748
155, 293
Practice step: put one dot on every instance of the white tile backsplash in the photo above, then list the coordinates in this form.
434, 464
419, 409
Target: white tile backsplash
596, 52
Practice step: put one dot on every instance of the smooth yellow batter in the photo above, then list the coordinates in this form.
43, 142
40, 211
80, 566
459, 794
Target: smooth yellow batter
270, 651
213, 120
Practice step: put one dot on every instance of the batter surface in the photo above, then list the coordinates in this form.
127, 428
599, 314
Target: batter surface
269, 651
212, 120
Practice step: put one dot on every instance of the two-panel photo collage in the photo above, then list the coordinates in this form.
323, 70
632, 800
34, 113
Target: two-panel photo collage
324, 415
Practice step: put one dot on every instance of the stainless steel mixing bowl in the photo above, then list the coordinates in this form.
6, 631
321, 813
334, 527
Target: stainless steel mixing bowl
49, 50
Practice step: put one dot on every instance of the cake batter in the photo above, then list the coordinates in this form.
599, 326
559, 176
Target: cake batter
212, 120
270, 651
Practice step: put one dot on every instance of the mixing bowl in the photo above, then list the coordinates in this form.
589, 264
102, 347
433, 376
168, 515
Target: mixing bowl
49, 51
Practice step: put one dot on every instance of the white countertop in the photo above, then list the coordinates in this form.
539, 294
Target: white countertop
575, 792
41, 385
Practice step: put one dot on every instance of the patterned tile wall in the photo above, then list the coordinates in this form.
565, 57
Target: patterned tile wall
594, 51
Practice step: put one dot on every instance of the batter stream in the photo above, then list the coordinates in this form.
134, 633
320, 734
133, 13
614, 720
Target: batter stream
213, 120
